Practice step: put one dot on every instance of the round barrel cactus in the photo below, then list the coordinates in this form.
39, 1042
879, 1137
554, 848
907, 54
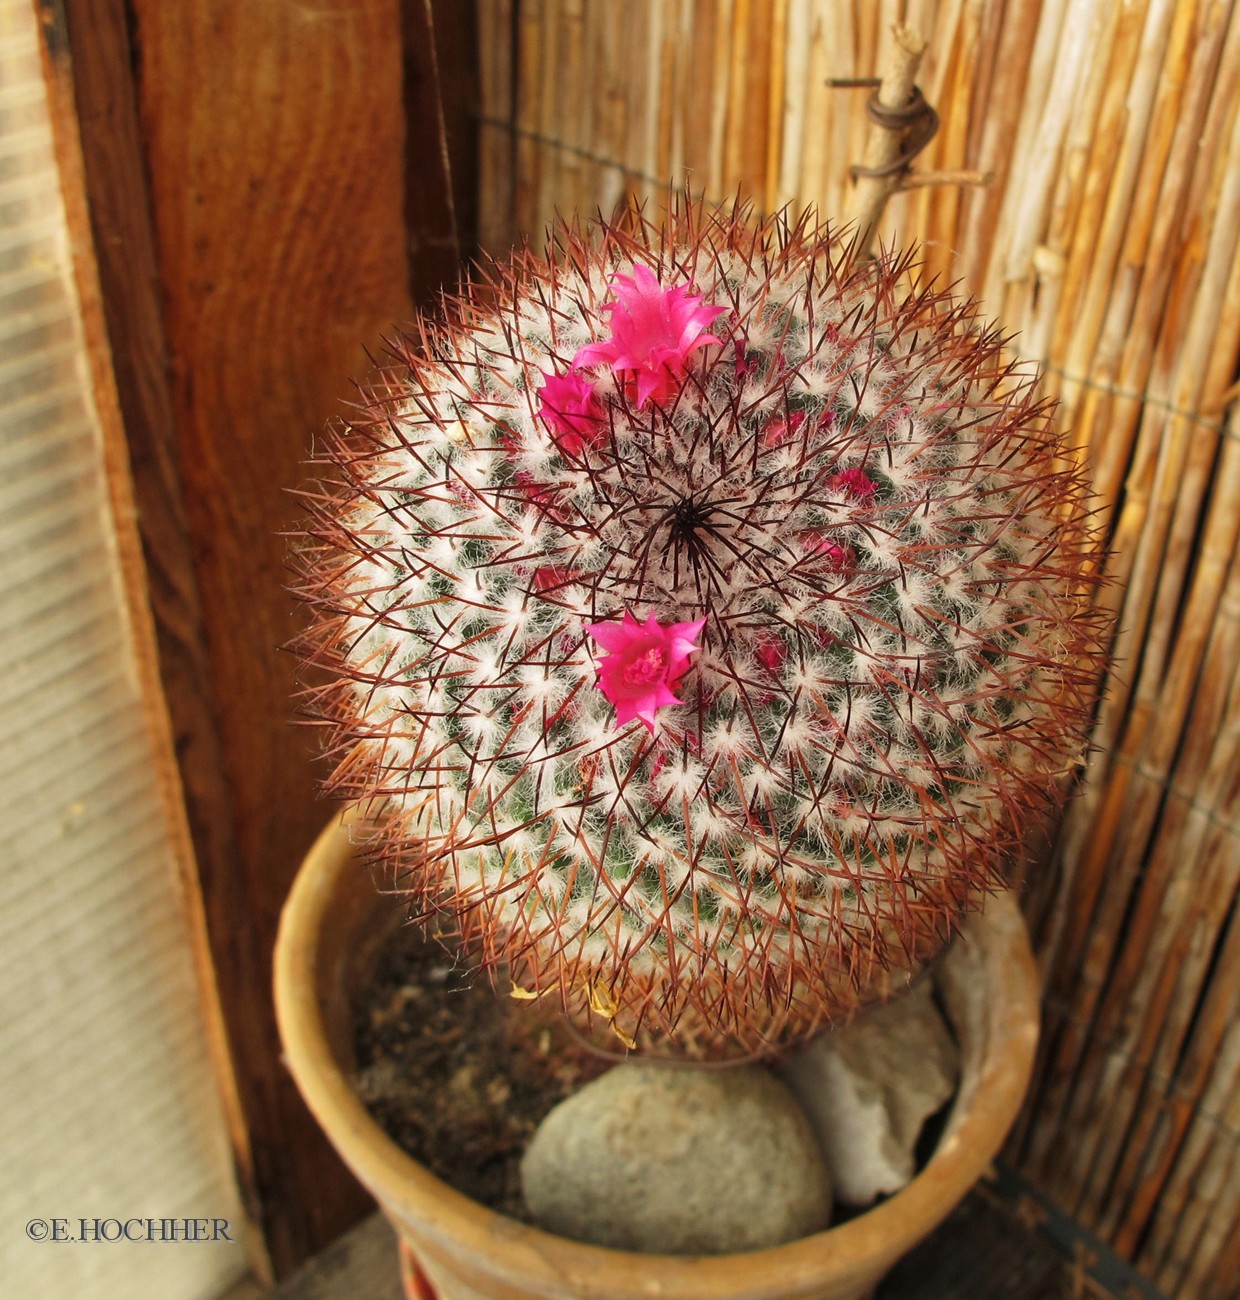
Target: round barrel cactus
704, 620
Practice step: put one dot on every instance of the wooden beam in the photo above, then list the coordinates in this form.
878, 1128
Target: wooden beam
94, 127
441, 102
245, 170
275, 139
151, 558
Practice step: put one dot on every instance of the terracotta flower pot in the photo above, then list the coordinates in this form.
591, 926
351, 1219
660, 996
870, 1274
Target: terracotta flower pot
329, 932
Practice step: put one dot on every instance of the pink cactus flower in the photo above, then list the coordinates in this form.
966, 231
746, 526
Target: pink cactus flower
571, 411
855, 483
653, 333
644, 662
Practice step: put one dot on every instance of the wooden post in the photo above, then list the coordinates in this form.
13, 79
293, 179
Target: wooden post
275, 146
245, 173
95, 130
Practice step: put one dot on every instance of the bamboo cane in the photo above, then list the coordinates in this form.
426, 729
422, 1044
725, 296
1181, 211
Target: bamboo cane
702, 20
794, 78
722, 89
1113, 168
1148, 520
1194, 1126
830, 55
938, 211
1197, 674
1016, 42
871, 191
495, 138
1043, 33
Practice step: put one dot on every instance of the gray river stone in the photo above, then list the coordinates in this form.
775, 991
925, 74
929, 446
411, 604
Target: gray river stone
678, 1160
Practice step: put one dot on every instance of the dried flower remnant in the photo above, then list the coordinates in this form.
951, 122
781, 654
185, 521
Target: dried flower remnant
871, 528
855, 483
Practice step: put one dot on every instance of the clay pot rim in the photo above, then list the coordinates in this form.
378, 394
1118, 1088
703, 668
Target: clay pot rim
464, 1226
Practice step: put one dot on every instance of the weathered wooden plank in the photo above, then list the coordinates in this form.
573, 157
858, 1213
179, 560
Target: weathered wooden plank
273, 137
441, 103
88, 57
496, 130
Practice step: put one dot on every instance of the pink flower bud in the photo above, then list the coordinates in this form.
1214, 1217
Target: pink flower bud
772, 652
828, 550
781, 430
571, 412
553, 578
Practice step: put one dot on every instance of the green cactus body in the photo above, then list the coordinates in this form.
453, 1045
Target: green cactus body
872, 515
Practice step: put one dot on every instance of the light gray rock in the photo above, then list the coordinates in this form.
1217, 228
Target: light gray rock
678, 1160
868, 1089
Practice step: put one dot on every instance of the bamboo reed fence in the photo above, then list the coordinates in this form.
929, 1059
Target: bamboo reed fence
1107, 240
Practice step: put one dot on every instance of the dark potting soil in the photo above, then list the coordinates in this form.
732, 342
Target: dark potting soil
458, 1074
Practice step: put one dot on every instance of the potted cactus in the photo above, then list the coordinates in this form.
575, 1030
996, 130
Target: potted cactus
705, 619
